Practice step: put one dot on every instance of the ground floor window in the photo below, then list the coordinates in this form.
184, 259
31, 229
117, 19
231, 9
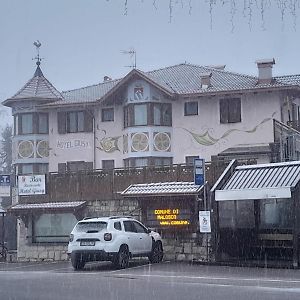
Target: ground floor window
136, 162
52, 227
276, 214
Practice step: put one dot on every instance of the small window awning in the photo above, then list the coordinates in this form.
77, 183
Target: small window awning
264, 181
25, 208
162, 189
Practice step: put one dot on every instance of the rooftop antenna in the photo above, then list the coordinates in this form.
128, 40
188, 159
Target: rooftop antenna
132, 54
38, 59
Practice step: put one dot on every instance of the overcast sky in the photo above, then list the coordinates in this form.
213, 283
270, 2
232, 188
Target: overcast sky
82, 40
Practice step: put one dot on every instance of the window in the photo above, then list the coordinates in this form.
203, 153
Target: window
158, 114
191, 108
276, 214
162, 161
33, 168
32, 123
108, 164
230, 110
147, 161
117, 226
26, 124
43, 123
129, 226
107, 114
52, 228
140, 115
88, 226
139, 228
162, 114
189, 160
74, 166
75, 121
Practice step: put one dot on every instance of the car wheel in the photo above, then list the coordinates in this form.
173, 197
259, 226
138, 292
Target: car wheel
121, 260
77, 261
157, 253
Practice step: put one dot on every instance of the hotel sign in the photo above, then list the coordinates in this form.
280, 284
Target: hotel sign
168, 217
31, 185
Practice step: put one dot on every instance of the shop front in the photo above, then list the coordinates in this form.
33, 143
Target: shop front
257, 213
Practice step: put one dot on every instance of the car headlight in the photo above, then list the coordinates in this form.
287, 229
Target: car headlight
71, 238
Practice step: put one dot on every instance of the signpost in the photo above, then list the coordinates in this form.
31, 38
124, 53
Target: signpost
204, 216
4, 185
199, 171
204, 221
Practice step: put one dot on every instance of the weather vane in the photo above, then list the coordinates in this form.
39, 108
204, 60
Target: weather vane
38, 59
132, 54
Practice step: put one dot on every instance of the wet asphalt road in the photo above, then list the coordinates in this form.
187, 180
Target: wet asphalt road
168, 280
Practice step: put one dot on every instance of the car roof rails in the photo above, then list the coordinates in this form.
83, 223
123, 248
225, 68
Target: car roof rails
119, 217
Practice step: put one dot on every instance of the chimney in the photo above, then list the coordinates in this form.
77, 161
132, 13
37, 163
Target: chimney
265, 70
205, 80
106, 78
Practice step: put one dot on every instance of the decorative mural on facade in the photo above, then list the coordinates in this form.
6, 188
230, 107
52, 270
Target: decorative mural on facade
206, 139
108, 144
140, 142
162, 141
125, 143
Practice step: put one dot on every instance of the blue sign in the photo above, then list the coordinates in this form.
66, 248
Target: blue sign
199, 171
4, 180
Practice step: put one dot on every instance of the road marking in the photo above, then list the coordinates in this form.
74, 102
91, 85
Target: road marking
213, 278
30, 265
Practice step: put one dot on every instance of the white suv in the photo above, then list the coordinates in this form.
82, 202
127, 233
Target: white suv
114, 239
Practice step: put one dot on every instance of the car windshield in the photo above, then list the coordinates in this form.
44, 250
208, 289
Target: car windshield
90, 226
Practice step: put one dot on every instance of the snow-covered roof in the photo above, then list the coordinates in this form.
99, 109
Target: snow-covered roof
47, 205
262, 181
162, 188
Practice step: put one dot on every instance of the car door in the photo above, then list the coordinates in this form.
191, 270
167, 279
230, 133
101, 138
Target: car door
131, 237
144, 239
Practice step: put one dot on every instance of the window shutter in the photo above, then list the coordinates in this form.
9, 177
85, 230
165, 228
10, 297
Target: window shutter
224, 111
61, 122
88, 122
235, 110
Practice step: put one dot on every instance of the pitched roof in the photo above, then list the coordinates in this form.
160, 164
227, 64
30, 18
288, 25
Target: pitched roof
48, 205
162, 188
263, 181
183, 79
38, 87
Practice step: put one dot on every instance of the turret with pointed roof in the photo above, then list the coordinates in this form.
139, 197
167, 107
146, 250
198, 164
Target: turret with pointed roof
38, 88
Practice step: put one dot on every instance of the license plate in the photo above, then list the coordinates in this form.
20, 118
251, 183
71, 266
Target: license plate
87, 243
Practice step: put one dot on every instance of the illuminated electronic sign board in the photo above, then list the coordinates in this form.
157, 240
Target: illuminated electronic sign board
168, 217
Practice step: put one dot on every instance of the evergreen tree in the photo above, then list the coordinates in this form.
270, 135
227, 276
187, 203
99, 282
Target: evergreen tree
6, 150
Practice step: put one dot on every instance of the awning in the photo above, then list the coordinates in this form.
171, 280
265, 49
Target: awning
264, 181
162, 189
74, 205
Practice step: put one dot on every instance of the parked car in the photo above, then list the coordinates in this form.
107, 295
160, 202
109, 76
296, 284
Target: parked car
114, 239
